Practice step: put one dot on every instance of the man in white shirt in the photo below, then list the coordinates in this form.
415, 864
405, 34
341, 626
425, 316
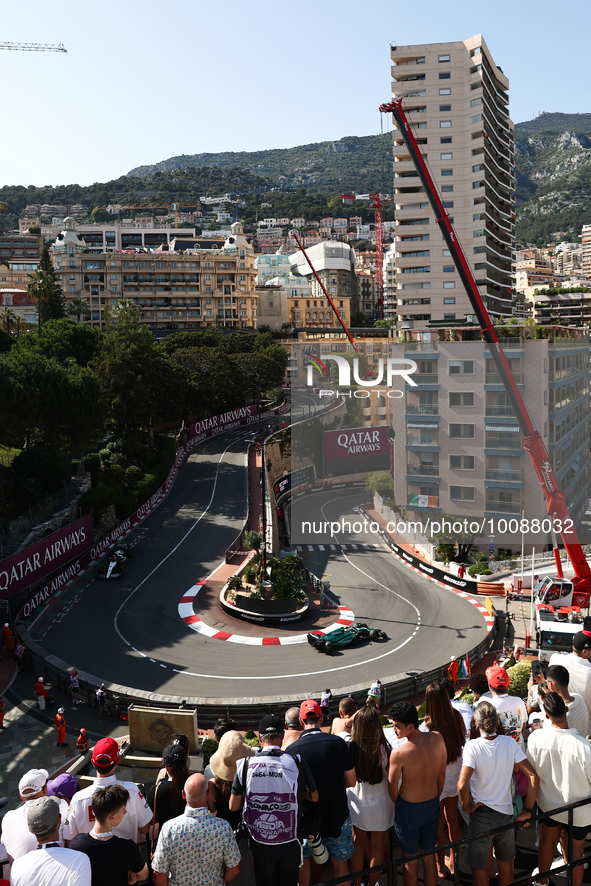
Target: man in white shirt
562, 759
105, 759
52, 865
511, 710
578, 666
16, 836
557, 680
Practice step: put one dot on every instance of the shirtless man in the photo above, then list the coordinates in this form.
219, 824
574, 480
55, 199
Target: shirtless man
418, 765
293, 727
344, 722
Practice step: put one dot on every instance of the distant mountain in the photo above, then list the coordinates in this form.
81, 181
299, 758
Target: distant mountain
354, 163
553, 167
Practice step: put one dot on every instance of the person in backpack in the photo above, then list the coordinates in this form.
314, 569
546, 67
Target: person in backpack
272, 786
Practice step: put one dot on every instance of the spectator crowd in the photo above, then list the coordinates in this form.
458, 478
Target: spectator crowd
301, 795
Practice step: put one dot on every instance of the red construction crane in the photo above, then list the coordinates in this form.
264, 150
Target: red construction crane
375, 203
532, 441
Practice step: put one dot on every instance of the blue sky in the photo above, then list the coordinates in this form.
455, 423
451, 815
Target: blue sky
143, 81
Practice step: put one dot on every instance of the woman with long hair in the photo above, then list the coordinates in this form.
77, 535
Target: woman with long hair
372, 810
441, 717
166, 797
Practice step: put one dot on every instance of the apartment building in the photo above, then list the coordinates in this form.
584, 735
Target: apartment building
569, 306
458, 448
533, 272
586, 250
191, 291
19, 247
334, 262
271, 265
456, 99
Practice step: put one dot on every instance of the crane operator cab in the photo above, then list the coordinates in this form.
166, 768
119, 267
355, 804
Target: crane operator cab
555, 592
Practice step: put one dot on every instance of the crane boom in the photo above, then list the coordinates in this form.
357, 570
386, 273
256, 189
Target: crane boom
532, 441
35, 47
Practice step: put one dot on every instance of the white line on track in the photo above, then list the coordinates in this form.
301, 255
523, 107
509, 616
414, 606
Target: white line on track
185, 536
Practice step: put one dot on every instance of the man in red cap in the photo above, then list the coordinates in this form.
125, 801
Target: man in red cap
105, 759
333, 770
511, 709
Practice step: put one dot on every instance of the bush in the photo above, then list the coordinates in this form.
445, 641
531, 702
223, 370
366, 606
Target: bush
105, 455
478, 569
208, 748
250, 574
118, 458
252, 539
48, 468
92, 463
519, 676
118, 472
134, 474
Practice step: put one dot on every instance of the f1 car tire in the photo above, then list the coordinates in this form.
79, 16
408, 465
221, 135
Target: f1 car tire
329, 647
374, 634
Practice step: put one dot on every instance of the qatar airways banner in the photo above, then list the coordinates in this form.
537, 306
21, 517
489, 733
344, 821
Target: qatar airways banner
355, 442
217, 424
36, 561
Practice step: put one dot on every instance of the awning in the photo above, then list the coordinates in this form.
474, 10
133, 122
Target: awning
505, 429
415, 424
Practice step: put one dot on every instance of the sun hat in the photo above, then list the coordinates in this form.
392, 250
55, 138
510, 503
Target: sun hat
232, 748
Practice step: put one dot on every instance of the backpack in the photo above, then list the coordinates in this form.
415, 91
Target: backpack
271, 798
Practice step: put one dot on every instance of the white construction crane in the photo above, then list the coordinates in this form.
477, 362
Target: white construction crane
35, 47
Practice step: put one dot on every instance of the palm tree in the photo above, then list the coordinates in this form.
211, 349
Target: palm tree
78, 307
20, 325
3, 209
7, 319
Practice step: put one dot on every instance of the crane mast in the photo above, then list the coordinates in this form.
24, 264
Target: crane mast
34, 47
532, 441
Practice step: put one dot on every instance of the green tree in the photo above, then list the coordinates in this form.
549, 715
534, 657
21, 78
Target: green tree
35, 230
7, 319
65, 341
46, 290
380, 482
212, 383
359, 320
3, 209
260, 372
463, 539
79, 307
139, 385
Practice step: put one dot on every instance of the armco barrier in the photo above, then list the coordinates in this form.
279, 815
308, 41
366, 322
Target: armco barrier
246, 712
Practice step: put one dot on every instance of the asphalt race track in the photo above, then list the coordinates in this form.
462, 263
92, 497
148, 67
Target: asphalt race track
129, 631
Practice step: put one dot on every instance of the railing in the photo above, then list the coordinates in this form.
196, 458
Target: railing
493, 378
423, 470
499, 410
513, 442
420, 441
393, 865
422, 410
425, 379
505, 507
509, 476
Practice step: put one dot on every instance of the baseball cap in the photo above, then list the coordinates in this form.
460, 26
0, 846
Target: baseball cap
271, 724
43, 815
174, 753
497, 676
309, 706
32, 782
105, 752
64, 786
582, 640
536, 718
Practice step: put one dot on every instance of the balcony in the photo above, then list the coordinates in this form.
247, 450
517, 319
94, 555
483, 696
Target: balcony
509, 442
505, 476
503, 507
413, 440
423, 470
499, 410
421, 410
425, 379
421, 346
493, 378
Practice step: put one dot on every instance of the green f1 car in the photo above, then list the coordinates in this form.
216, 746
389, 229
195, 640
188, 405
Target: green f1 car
340, 638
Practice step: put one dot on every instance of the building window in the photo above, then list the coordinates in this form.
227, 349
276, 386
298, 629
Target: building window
445, 107
449, 301
475, 101
476, 118
444, 58
445, 124
449, 285
448, 204
463, 432
461, 493
447, 172
461, 367
446, 91
461, 398
444, 75
446, 156
449, 268
447, 189
461, 462
445, 140
449, 316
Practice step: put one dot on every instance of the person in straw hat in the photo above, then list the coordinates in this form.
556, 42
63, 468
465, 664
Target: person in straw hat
232, 748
